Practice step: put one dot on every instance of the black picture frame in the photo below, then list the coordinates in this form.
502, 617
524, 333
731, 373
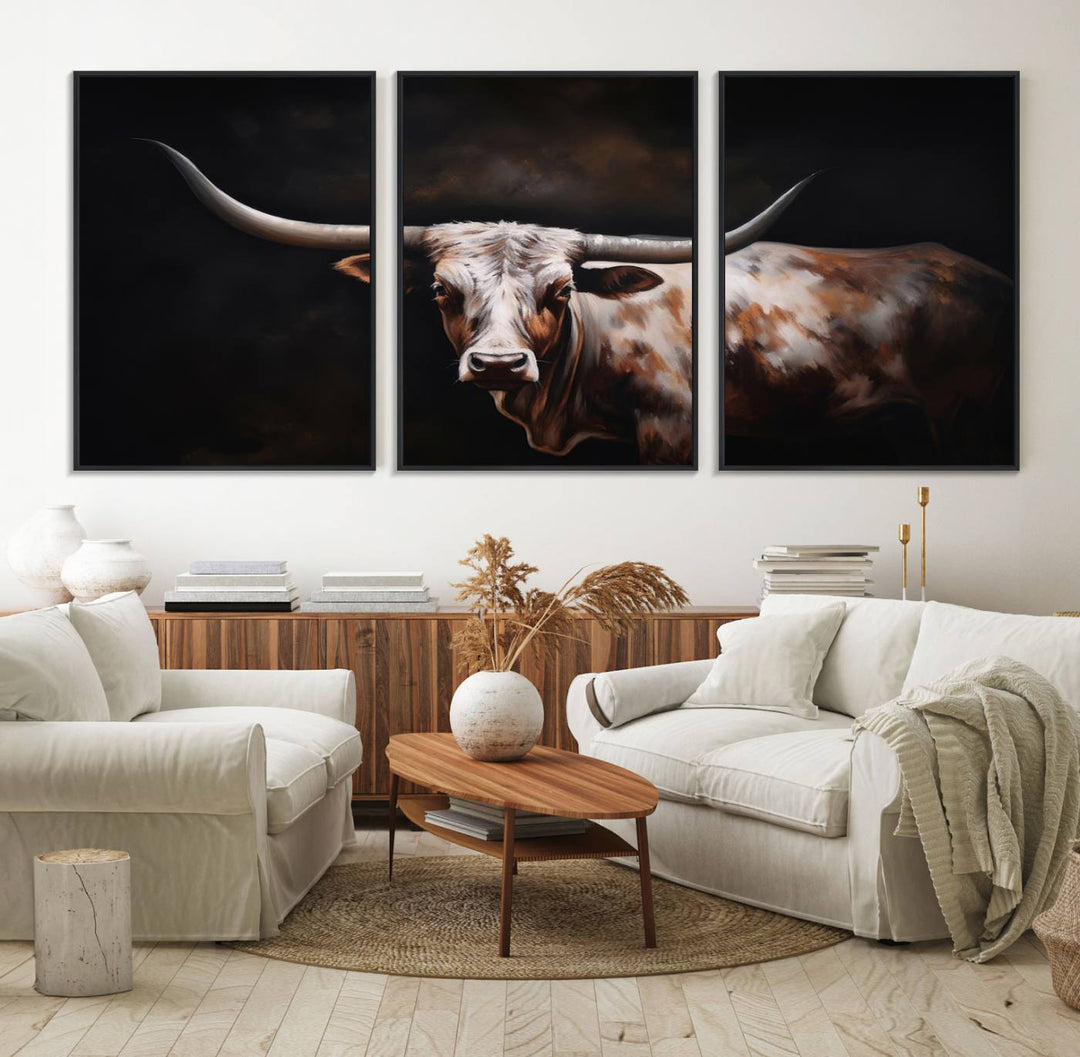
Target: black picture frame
403, 462
172, 183
1009, 89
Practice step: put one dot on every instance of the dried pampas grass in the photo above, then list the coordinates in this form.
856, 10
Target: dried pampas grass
508, 615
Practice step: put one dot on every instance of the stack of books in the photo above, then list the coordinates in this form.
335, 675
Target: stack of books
371, 593
817, 569
486, 822
234, 587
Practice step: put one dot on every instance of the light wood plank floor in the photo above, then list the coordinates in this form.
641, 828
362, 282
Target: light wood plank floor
857, 999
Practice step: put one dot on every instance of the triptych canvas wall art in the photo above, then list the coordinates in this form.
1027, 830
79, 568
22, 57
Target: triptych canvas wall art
547, 283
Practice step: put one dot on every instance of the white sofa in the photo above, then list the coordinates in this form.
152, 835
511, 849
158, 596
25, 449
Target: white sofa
793, 814
232, 794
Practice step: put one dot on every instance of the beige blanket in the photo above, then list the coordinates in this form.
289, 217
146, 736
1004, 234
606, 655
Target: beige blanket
990, 760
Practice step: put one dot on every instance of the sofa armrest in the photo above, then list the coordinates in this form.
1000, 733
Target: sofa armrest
891, 893
191, 768
596, 701
329, 692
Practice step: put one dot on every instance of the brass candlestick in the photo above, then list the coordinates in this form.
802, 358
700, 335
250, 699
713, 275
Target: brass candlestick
923, 496
904, 535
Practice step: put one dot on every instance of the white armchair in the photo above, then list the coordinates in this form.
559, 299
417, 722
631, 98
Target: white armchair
232, 799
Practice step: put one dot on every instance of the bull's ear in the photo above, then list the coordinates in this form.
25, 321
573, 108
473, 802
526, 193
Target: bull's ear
359, 267
617, 281
417, 272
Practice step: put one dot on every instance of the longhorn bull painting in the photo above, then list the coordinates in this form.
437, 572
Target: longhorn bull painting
198, 346
876, 326
548, 256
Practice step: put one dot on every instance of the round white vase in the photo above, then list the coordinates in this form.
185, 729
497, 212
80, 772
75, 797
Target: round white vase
100, 567
37, 551
496, 715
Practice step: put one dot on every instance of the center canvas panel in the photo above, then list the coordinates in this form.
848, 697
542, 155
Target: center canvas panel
547, 299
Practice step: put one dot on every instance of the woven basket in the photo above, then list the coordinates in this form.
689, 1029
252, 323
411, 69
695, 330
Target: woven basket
1059, 929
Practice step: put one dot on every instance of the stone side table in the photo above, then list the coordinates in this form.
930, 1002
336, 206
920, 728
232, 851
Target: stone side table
82, 922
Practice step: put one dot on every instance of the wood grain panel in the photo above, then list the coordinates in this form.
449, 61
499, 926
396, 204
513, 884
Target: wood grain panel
406, 666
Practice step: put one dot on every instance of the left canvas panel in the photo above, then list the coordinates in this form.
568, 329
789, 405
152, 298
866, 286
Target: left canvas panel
220, 221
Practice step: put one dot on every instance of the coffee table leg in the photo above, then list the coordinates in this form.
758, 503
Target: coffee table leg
506, 897
646, 882
393, 821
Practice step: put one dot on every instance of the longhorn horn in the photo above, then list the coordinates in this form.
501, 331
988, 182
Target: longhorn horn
265, 225
412, 238
752, 230
637, 249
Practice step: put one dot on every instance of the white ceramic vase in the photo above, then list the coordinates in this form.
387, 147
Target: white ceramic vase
37, 551
496, 715
100, 567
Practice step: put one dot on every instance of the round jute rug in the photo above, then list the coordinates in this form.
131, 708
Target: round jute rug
576, 918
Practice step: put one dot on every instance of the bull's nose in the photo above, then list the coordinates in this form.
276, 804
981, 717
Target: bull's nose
512, 360
476, 363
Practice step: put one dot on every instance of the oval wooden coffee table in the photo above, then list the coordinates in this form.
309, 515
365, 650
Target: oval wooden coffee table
549, 781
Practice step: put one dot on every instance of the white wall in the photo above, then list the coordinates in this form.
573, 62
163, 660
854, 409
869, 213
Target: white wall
996, 540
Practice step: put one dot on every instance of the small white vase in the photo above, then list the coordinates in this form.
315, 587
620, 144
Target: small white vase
37, 551
100, 567
496, 715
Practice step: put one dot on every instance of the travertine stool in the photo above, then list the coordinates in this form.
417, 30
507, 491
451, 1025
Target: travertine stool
82, 922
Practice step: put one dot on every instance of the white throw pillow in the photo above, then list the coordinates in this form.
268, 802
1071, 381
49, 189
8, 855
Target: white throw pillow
120, 638
953, 635
871, 654
45, 670
770, 662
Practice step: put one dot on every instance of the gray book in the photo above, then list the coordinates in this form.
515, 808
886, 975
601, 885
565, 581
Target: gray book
370, 607
245, 582
226, 595
362, 594
241, 568
347, 579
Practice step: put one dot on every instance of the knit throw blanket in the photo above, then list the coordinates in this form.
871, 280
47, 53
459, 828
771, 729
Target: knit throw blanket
990, 761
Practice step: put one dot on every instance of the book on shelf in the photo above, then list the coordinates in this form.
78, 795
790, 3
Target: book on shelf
489, 829
800, 565
820, 549
231, 607
370, 607
382, 580
237, 568
367, 594
225, 594
242, 581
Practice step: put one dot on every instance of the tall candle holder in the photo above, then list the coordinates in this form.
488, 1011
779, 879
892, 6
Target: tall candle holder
904, 535
923, 497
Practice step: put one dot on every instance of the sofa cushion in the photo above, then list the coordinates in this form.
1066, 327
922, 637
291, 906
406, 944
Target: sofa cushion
770, 662
953, 635
668, 748
295, 780
45, 670
799, 780
121, 642
622, 696
336, 743
869, 658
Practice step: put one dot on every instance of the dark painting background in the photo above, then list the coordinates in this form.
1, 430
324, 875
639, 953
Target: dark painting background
611, 154
907, 159
199, 345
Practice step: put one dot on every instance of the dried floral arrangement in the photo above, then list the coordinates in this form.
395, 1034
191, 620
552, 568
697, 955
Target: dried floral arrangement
508, 615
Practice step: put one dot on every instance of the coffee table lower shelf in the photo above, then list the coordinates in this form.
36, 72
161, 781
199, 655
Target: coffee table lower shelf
596, 842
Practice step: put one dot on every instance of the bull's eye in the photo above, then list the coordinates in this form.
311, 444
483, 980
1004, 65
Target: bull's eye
438, 290
563, 294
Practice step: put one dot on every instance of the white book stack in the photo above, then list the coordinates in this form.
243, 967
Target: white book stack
234, 587
817, 569
345, 592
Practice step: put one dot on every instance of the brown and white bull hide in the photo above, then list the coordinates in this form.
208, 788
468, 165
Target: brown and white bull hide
568, 350
820, 341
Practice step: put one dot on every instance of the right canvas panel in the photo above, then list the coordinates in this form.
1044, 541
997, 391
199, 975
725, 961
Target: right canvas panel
870, 270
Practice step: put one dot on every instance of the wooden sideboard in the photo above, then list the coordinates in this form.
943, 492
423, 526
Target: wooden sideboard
406, 667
